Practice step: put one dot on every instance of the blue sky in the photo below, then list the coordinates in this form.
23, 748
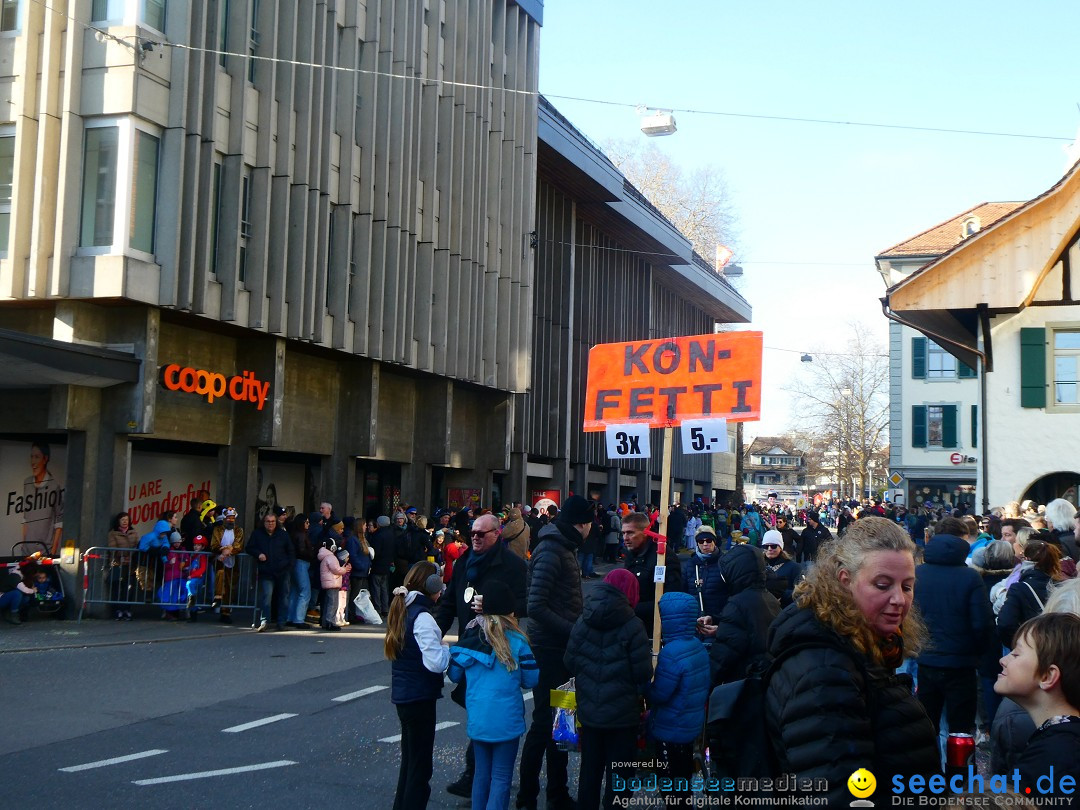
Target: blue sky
816, 202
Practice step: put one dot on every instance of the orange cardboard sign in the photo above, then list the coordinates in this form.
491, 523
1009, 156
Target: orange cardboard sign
662, 382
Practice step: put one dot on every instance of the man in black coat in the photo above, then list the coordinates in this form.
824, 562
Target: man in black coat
275, 557
486, 560
555, 602
382, 565
812, 537
641, 559
676, 528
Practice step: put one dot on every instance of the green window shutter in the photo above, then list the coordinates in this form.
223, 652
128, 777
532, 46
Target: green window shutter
974, 425
918, 358
1032, 367
964, 370
918, 426
948, 426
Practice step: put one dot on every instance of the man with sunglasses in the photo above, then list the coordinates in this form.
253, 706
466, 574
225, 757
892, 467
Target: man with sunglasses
486, 560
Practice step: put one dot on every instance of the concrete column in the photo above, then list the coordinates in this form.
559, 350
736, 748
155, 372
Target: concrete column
644, 487
517, 482
238, 474
688, 491
416, 484
611, 491
581, 480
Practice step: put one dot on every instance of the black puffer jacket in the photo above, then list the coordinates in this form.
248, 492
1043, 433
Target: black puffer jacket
1021, 604
641, 565
609, 655
504, 566
742, 627
781, 577
554, 586
829, 716
953, 602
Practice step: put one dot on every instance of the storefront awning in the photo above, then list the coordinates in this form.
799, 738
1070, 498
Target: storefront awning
30, 361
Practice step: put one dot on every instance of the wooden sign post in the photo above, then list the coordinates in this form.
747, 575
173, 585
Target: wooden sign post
662, 383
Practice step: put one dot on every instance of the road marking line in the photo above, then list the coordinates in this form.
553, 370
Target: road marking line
438, 727
101, 763
354, 695
185, 777
256, 723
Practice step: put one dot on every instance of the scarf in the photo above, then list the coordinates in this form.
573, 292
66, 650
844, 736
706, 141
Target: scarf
892, 650
477, 564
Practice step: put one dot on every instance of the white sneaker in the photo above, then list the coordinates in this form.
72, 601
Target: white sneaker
262, 626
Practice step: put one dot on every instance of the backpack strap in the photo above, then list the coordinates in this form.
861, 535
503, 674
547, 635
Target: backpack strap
1037, 599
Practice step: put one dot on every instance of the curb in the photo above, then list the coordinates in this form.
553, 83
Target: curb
119, 643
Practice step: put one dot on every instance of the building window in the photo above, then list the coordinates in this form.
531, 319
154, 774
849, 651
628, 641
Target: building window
245, 222
144, 191
223, 30
940, 365
1066, 366
103, 10
99, 187
253, 41
154, 14
934, 426
9, 15
7, 171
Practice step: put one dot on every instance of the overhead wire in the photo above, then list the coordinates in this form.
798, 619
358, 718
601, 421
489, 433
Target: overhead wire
562, 97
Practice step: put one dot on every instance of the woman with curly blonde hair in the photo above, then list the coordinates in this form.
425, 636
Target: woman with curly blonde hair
834, 703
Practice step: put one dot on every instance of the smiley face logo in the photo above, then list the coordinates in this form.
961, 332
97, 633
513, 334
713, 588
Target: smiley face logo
861, 783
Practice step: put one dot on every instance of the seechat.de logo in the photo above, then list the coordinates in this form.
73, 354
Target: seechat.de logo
862, 783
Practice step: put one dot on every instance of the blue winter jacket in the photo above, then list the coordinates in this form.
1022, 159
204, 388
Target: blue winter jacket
492, 692
157, 539
954, 605
680, 684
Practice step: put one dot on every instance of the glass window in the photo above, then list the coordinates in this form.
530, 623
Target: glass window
939, 363
103, 10
99, 187
9, 15
253, 41
1066, 367
935, 422
223, 30
215, 213
7, 170
144, 191
154, 14
245, 222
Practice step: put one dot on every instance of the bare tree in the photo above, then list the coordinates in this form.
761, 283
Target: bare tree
698, 204
844, 406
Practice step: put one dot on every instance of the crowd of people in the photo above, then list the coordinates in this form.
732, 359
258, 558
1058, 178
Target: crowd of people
865, 648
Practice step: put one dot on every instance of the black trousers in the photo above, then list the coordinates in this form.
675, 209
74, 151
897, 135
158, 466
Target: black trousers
678, 763
954, 689
605, 750
417, 750
538, 743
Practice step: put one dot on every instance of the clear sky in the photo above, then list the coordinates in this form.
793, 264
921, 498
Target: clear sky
817, 202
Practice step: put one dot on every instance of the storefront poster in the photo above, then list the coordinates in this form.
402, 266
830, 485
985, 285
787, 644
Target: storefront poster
461, 498
160, 482
279, 484
34, 480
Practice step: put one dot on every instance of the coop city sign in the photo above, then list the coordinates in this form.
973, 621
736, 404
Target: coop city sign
243, 387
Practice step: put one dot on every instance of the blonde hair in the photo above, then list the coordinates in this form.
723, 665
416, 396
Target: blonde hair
495, 630
417, 579
832, 601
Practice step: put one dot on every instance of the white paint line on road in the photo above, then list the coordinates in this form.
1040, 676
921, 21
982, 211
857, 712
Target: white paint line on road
256, 723
186, 777
438, 727
101, 763
371, 690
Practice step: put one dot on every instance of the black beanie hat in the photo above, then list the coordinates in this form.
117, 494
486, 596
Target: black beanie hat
576, 510
498, 599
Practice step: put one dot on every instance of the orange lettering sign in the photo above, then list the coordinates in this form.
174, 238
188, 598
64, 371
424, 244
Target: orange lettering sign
662, 382
212, 385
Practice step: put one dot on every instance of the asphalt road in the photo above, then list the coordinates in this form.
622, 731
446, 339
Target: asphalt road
192, 708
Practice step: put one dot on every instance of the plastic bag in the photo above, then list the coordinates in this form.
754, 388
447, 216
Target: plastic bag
365, 609
564, 732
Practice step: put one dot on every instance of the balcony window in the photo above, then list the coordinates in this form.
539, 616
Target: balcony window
151, 13
144, 192
154, 14
99, 186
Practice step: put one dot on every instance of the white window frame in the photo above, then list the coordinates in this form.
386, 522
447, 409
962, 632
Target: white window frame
943, 358
1052, 329
20, 20
125, 175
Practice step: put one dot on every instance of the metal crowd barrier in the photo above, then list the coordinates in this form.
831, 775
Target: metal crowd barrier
122, 578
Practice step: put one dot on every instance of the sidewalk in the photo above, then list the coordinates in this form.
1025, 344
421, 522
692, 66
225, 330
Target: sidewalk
43, 633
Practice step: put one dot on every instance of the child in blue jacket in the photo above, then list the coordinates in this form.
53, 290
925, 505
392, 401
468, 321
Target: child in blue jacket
494, 659
679, 689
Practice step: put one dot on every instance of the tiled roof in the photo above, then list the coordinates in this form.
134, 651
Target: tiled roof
947, 235
763, 444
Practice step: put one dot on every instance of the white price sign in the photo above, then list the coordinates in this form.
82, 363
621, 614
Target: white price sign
628, 441
658, 573
704, 436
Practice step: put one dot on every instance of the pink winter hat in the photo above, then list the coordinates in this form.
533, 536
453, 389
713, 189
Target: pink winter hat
625, 582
